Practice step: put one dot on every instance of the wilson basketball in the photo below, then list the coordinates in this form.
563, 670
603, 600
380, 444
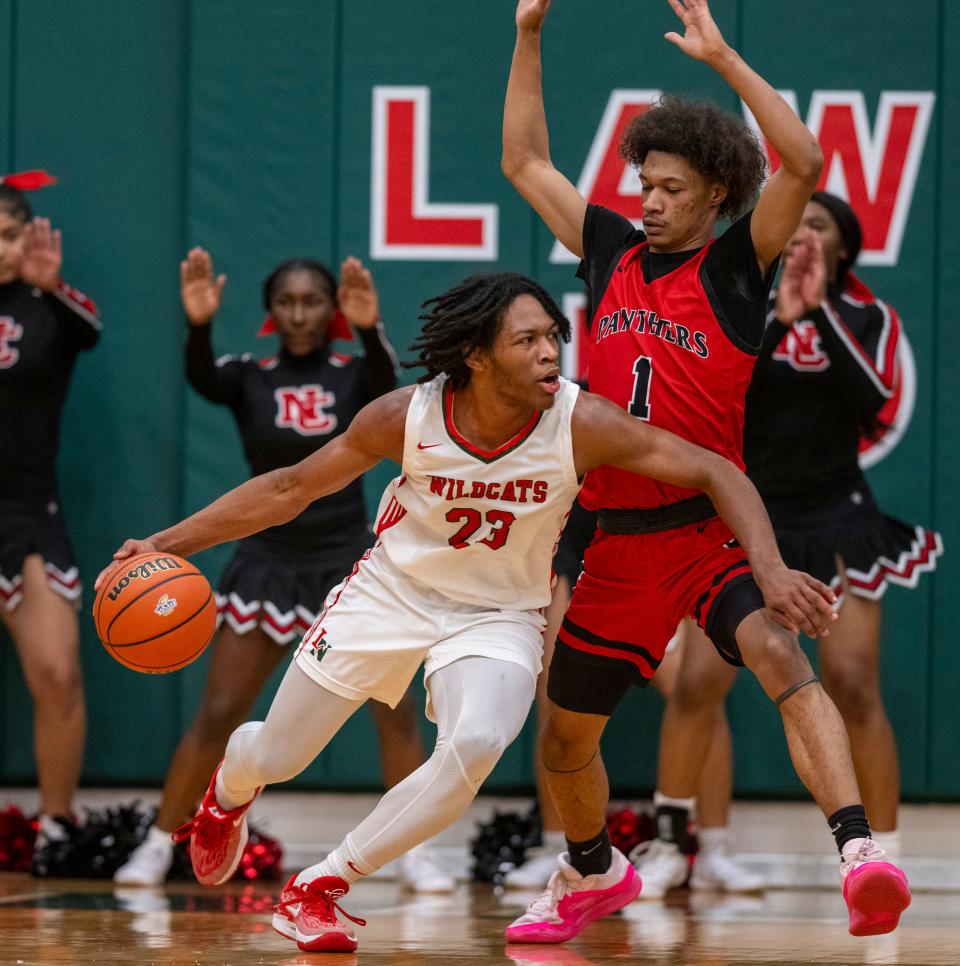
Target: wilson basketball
155, 612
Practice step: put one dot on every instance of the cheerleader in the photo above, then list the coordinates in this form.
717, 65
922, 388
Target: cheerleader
44, 325
286, 406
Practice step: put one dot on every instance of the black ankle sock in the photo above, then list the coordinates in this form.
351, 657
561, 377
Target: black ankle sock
672, 826
849, 823
592, 857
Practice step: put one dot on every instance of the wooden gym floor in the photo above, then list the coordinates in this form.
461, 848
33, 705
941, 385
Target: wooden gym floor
82, 922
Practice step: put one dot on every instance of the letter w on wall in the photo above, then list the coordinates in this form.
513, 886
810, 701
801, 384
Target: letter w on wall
404, 224
876, 171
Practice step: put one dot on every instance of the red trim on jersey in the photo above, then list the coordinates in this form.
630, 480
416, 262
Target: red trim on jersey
487, 456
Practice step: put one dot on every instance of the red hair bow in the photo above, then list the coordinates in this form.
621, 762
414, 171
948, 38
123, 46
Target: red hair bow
28, 180
339, 327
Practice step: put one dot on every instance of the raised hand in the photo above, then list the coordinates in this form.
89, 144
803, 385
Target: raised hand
200, 293
803, 283
42, 255
531, 14
701, 38
357, 295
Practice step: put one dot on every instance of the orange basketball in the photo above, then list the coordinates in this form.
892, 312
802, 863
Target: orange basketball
155, 612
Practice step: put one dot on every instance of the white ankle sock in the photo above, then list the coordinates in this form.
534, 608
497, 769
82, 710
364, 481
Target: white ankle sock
713, 841
157, 836
660, 799
889, 842
554, 841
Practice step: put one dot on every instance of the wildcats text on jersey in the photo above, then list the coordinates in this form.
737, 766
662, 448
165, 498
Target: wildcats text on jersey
513, 491
649, 322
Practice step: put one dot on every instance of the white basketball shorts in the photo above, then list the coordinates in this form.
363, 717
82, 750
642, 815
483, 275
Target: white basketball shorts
379, 625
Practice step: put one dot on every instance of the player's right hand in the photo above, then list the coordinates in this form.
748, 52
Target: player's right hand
531, 14
200, 293
129, 548
798, 601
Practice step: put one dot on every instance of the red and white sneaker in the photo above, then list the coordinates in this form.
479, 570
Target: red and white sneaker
571, 901
307, 914
217, 837
285, 911
876, 891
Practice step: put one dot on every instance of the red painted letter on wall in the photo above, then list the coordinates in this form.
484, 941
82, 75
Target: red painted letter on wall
404, 224
606, 178
876, 171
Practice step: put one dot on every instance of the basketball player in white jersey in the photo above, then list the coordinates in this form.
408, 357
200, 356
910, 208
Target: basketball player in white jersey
492, 444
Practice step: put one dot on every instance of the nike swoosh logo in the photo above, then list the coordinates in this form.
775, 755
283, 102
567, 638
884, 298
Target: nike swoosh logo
594, 849
428, 446
352, 866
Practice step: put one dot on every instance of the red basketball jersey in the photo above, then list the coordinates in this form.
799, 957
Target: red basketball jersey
659, 351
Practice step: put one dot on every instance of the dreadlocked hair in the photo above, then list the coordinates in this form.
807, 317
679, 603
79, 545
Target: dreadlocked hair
468, 317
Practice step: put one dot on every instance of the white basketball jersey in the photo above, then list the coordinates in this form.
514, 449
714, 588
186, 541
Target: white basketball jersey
480, 527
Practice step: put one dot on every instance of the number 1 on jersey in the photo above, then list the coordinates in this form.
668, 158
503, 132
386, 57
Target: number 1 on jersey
640, 402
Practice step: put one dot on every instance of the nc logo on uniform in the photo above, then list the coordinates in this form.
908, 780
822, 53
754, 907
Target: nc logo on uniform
9, 332
800, 348
301, 408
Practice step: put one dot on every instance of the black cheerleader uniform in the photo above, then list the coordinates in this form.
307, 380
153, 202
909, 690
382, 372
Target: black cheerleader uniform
822, 386
286, 407
41, 334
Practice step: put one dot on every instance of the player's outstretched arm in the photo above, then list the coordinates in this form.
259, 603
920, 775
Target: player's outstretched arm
526, 144
277, 497
787, 191
604, 434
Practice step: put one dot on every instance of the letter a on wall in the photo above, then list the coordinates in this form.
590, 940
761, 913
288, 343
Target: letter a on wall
606, 178
404, 224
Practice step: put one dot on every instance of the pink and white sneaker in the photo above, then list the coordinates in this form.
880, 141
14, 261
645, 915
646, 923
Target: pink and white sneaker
571, 901
217, 837
307, 914
876, 891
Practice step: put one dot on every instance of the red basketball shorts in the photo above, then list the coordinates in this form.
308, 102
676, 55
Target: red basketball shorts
633, 592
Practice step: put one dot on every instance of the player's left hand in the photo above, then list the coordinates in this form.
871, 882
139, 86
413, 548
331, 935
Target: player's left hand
798, 601
701, 38
357, 295
42, 255
129, 548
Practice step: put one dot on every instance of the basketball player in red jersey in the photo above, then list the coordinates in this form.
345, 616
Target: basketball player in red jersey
676, 322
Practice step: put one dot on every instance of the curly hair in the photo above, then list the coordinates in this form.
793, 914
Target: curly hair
468, 317
715, 143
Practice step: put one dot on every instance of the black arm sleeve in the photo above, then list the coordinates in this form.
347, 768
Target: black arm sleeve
772, 335
737, 283
379, 363
219, 380
76, 316
605, 235
853, 369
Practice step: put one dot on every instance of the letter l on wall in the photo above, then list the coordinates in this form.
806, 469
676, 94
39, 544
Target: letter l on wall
404, 224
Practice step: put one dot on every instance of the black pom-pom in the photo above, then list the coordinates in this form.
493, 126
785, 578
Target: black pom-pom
502, 843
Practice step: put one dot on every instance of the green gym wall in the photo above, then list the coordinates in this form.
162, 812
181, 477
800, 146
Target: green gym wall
267, 130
